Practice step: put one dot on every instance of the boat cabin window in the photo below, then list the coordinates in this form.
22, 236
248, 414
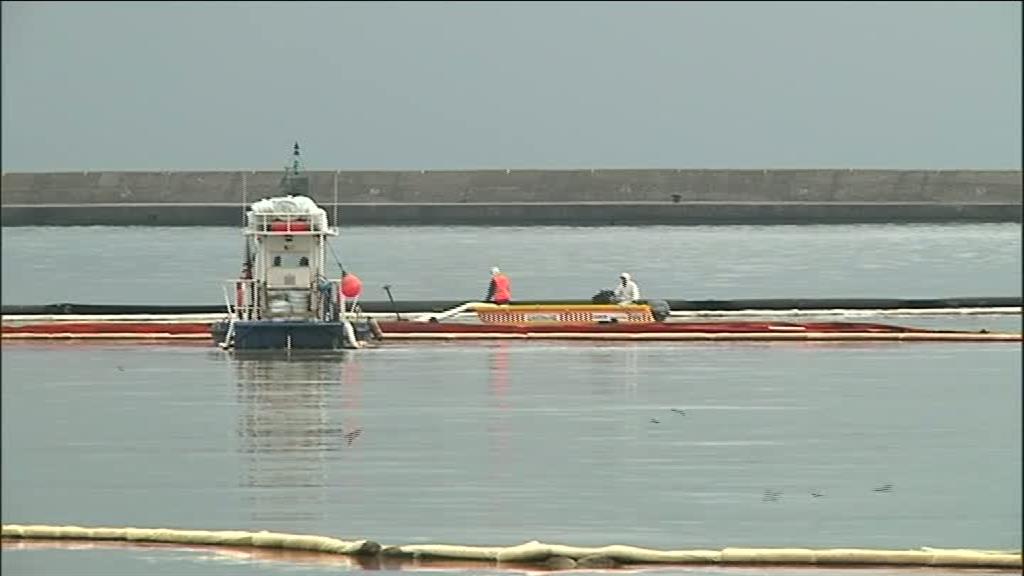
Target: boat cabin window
290, 261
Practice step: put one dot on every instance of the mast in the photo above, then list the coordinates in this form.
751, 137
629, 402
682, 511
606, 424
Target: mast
295, 182
295, 159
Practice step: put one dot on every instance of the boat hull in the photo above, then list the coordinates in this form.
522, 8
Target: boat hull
272, 335
683, 331
404, 327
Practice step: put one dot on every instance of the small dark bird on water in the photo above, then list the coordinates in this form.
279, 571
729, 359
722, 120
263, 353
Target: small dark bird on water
655, 421
883, 488
771, 495
816, 494
678, 411
120, 368
351, 436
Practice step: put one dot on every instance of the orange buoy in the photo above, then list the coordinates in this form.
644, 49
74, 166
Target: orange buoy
351, 286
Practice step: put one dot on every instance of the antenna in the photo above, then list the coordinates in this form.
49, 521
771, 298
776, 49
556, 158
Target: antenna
244, 193
335, 217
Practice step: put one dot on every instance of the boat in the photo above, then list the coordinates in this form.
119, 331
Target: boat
283, 299
644, 320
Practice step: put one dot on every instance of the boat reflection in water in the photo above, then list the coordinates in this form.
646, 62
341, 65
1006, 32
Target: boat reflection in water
290, 429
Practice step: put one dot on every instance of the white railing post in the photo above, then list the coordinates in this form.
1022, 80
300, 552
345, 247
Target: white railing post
231, 322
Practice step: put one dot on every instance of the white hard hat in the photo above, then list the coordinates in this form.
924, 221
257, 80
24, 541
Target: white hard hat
495, 270
624, 275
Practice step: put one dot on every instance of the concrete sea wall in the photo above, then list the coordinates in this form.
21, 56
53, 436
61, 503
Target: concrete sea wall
523, 197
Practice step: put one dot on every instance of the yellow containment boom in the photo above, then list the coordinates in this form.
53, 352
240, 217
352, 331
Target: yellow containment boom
561, 313
550, 556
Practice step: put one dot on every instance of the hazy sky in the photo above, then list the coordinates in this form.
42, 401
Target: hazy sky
457, 85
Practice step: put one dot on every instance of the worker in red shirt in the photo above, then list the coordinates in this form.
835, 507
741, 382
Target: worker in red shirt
500, 289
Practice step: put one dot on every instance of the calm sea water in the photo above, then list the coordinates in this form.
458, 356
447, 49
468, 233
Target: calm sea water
186, 265
784, 444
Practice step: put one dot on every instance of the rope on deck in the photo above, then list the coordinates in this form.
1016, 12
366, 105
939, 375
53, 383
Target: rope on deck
550, 555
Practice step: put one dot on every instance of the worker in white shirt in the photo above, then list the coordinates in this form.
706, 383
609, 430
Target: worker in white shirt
627, 292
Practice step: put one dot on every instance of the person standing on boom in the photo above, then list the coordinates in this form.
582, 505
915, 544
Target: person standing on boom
500, 289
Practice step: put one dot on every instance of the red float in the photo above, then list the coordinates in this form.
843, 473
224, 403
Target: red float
297, 226
351, 286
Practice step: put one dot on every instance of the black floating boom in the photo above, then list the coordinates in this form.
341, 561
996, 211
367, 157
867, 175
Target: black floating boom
441, 305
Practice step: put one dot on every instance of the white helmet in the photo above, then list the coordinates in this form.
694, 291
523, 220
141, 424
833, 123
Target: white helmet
624, 275
495, 270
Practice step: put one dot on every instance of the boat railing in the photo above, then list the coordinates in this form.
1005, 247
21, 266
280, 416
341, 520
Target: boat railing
251, 301
244, 305
339, 303
288, 222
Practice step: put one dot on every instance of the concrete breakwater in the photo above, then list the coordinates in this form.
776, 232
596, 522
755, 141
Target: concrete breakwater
524, 197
